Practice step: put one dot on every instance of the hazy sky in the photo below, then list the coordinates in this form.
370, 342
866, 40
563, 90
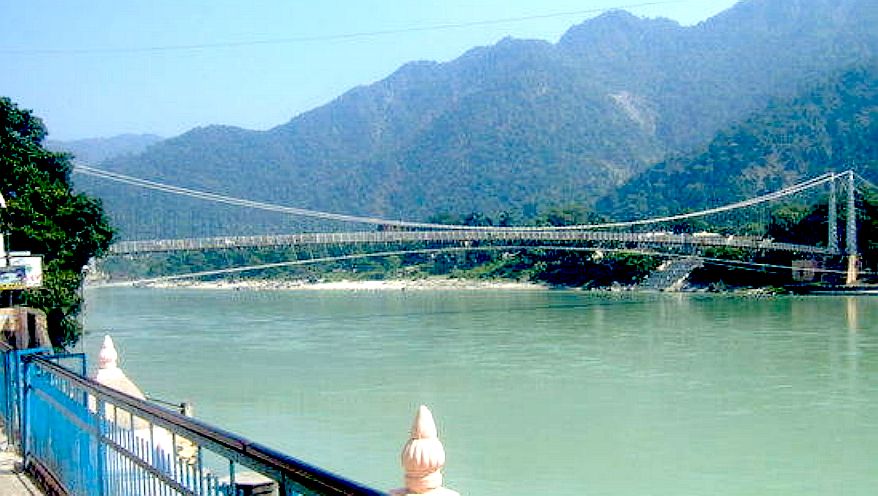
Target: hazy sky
100, 67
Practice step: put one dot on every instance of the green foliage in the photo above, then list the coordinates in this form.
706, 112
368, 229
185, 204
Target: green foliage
593, 269
727, 253
43, 216
833, 126
570, 215
555, 267
868, 229
801, 224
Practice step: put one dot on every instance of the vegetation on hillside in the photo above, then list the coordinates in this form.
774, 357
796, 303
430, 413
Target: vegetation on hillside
833, 127
574, 266
45, 217
518, 126
94, 150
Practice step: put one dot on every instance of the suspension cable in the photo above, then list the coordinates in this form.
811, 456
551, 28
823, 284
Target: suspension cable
230, 200
867, 182
738, 264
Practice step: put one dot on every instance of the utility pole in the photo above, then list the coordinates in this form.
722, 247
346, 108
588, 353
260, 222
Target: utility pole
832, 235
853, 256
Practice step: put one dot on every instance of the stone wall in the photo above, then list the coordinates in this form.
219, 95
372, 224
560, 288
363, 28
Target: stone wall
23, 327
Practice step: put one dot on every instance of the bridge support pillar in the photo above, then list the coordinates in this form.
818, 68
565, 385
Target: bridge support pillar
832, 220
853, 270
851, 248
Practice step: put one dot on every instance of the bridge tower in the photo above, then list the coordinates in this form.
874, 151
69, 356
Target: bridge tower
851, 248
832, 221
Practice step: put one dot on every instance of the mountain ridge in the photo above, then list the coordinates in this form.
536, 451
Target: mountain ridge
831, 127
94, 150
517, 126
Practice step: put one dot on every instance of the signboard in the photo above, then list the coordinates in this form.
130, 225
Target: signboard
12, 277
33, 269
23, 272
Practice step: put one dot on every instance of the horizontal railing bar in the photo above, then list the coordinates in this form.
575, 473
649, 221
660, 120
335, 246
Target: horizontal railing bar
248, 453
164, 402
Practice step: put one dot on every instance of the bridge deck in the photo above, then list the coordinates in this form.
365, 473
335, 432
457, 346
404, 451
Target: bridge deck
491, 236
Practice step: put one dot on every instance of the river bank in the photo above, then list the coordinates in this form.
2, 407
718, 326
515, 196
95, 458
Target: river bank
437, 283
423, 284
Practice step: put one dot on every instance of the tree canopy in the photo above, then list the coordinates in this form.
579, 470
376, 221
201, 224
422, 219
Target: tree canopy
46, 217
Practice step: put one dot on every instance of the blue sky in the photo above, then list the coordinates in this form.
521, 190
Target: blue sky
100, 68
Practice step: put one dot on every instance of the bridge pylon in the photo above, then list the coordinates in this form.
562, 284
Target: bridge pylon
832, 216
853, 273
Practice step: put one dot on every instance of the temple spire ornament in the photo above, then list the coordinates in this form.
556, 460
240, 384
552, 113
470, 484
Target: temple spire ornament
423, 457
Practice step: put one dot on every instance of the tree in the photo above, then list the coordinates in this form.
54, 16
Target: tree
569, 215
46, 217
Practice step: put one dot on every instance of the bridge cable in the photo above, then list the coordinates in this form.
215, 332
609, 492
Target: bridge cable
867, 182
329, 37
230, 200
426, 251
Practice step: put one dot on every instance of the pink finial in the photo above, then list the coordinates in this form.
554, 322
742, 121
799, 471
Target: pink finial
108, 357
423, 457
109, 374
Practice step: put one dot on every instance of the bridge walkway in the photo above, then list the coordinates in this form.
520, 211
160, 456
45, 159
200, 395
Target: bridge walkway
510, 235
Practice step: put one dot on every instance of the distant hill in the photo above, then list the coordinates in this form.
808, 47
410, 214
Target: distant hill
832, 127
516, 126
95, 150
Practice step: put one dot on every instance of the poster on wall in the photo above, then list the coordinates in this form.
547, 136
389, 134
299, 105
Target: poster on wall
22, 272
13, 277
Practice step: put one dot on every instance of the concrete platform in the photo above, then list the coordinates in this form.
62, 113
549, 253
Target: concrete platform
13, 480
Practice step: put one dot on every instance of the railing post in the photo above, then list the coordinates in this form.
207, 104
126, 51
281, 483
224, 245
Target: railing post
22, 396
23, 409
423, 457
102, 472
7, 394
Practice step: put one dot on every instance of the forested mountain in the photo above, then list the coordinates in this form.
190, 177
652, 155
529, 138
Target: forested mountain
516, 126
95, 150
831, 127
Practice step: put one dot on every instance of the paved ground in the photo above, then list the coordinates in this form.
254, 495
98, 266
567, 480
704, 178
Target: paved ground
13, 481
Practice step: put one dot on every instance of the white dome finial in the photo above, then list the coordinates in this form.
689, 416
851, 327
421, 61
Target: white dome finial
423, 457
108, 357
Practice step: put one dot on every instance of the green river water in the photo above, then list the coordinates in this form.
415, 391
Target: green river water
535, 392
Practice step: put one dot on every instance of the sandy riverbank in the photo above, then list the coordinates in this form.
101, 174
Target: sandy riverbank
427, 284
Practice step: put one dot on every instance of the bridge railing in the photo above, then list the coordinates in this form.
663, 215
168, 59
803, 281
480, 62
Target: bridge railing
82, 438
513, 236
12, 389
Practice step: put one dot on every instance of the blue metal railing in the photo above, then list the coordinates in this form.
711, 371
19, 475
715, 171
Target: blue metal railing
13, 388
82, 438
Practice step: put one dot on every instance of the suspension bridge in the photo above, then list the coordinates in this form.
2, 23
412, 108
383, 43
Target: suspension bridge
650, 235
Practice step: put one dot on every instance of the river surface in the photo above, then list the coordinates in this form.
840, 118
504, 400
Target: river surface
534, 392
